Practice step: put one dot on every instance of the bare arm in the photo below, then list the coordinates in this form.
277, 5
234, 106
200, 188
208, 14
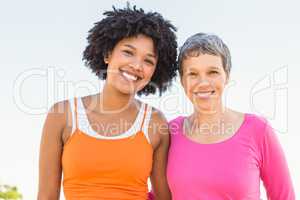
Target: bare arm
50, 153
158, 176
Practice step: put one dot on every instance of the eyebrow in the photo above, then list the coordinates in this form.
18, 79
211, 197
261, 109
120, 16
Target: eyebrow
210, 67
132, 47
213, 67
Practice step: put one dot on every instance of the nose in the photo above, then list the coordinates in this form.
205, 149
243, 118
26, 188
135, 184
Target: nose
203, 81
200, 82
137, 64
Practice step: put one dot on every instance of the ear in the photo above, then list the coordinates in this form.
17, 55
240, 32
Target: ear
181, 78
227, 79
107, 58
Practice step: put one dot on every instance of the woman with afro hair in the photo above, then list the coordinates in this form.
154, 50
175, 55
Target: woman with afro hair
107, 145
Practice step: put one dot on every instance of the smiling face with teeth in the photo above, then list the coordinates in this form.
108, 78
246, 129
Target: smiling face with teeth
203, 79
131, 64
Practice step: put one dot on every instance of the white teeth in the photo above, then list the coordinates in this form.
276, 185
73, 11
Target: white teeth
129, 76
203, 94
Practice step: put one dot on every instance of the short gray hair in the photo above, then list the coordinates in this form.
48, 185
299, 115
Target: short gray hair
203, 43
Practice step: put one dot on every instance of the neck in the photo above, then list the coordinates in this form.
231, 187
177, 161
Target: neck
208, 117
112, 100
206, 123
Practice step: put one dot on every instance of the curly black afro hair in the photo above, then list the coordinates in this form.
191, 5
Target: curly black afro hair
128, 22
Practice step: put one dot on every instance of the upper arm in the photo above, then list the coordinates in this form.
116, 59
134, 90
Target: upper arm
158, 176
51, 147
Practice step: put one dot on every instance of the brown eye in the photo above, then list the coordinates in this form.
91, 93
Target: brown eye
127, 53
149, 62
213, 72
192, 74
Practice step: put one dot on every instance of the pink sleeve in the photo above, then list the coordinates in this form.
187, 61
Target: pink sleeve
274, 170
150, 196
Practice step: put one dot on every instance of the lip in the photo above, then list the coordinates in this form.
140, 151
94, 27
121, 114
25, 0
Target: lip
204, 94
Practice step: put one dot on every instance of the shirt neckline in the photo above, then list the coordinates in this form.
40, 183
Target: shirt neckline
91, 132
227, 140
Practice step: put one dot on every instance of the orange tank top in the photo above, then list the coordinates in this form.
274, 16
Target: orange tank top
106, 169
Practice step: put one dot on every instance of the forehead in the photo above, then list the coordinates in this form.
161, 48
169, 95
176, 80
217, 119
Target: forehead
139, 43
202, 61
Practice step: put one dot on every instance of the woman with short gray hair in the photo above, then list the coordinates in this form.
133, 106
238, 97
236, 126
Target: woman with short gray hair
218, 153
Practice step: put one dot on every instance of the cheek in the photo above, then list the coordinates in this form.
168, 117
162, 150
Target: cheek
112, 72
220, 84
188, 85
148, 72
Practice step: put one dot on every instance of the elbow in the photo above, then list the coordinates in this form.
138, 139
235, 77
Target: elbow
152, 196
47, 196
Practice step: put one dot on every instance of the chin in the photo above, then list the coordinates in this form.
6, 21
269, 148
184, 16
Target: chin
126, 90
204, 109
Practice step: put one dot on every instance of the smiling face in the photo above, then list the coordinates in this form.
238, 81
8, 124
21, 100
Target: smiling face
203, 79
131, 64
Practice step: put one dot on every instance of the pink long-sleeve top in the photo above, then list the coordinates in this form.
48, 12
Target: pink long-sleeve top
231, 169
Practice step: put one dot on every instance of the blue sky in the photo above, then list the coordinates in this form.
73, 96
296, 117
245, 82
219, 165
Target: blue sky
41, 48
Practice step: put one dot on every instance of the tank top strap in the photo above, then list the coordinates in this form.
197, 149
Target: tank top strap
147, 119
144, 116
76, 112
73, 109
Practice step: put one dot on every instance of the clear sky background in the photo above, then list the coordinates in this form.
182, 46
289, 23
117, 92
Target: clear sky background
41, 44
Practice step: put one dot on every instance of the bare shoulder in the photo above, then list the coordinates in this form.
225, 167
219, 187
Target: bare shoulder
51, 148
158, 128
58, 120
158, 117
58, 112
